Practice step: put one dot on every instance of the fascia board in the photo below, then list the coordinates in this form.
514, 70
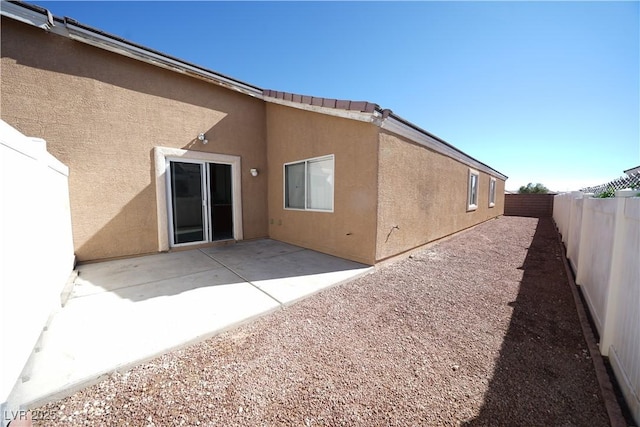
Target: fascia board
22, 14
32, 17
337, 112
44, 20
399, 128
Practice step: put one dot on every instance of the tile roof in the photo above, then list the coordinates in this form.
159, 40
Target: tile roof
340, 104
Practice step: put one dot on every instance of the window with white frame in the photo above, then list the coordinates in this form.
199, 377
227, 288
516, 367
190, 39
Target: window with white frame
492, 192
308, 184
472, 193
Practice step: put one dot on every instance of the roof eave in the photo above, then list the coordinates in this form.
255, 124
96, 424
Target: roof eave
369, 117
29, 14
42, 18
406, 129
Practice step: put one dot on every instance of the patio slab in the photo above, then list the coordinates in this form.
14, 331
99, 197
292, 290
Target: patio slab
248, 252
126, 311
295, 275
111, 275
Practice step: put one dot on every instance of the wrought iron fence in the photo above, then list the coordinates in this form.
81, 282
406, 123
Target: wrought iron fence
627, 181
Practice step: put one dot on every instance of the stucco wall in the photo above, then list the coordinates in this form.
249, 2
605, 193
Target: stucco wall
423, 196
350, 230
102, 114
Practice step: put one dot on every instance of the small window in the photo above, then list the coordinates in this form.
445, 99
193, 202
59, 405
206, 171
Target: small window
472, 194
308, 184
492, 192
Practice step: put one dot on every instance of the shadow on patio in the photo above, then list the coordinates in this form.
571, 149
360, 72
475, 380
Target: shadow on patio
282, 271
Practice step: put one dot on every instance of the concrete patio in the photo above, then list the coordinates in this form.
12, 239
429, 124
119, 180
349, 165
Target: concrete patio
126, 311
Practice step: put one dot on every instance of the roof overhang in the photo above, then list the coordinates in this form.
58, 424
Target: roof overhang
372, 117
67, 27
401, 127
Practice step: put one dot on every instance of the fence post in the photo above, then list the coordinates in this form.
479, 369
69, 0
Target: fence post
617, 260
584, 229
570, 241
575, 239
567, 215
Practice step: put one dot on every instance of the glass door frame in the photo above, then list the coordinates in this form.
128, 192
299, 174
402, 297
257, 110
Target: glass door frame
160, 156
205, 179
205, 207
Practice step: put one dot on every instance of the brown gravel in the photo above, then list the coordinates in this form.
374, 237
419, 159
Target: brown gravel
480, 329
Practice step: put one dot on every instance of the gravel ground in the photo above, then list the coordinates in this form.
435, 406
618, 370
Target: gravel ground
480, 329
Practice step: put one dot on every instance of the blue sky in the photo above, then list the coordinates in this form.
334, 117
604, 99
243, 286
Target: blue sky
541, 91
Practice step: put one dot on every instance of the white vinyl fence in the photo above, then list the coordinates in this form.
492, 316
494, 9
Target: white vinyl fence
602, 237
37, 249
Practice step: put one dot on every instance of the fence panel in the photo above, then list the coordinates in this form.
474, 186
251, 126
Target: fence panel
530, 205
595, 262
562, 212
573, 232
37, 247
624, 344
602, 237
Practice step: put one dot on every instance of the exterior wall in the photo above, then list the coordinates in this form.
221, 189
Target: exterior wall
532, 205
349, 231
35, 203
423, 196
102, 114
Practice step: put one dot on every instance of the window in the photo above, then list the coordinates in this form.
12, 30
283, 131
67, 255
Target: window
492, 192
308, 184
472, 195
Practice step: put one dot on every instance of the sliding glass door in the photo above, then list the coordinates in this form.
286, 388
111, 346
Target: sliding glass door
200, 202
186, 202
221, 201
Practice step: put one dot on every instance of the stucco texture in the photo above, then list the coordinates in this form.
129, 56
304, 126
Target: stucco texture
423, 196
102, 114
349, 231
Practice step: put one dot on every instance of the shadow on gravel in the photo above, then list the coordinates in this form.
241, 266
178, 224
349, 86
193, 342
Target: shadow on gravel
544, 375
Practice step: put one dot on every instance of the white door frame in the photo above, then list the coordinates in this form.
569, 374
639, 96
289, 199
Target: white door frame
205, 208
161, 155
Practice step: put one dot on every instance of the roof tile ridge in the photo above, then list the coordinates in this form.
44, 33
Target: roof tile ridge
338, 104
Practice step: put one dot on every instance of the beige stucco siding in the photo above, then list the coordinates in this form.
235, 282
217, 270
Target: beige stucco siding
102, 114
350, 230
423, 196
